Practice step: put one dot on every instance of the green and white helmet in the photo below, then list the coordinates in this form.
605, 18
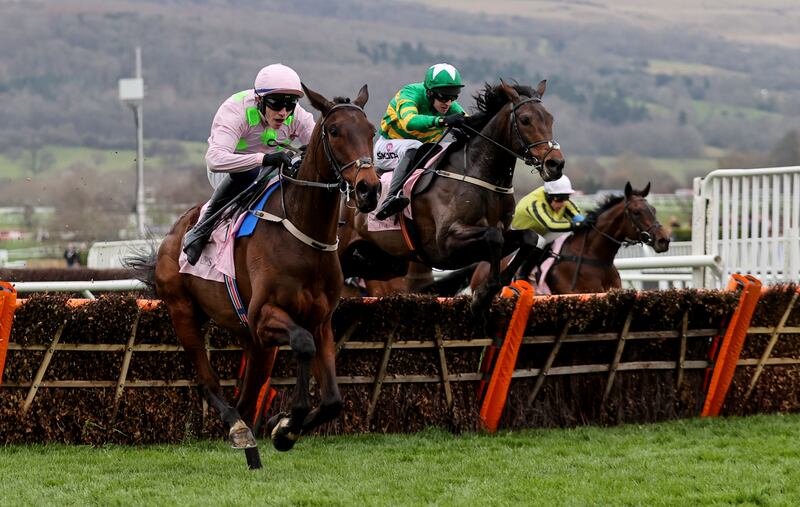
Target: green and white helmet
443, 75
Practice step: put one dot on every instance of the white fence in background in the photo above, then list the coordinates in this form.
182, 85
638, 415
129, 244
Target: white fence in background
751, 219
110, 254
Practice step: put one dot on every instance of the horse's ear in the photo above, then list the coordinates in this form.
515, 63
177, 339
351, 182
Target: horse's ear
363, 96
645, 190
319, 102
541, 88
628, 190
510, 92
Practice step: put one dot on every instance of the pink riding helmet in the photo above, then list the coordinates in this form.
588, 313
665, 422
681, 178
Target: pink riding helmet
278, 78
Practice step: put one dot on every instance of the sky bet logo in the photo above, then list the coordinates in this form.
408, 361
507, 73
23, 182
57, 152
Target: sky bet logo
387, 155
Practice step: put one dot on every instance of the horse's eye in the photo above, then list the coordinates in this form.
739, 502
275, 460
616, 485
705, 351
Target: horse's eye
334, 132
525, 120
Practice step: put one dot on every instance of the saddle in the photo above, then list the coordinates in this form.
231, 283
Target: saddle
425, 153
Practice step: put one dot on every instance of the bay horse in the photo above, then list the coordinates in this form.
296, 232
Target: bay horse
464, 214
289, 278
585, 263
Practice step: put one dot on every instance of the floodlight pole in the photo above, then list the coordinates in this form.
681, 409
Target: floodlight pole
137, 108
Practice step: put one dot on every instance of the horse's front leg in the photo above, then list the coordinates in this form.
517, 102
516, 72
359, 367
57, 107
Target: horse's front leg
275, 327
324, 369
490, 240
526, 257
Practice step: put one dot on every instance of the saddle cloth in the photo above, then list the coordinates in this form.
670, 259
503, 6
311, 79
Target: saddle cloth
542, 289
392, 223
216, 261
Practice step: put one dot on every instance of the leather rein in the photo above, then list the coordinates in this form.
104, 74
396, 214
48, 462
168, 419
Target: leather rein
340, 184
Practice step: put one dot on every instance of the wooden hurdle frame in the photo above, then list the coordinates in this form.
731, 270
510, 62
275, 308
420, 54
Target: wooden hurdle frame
436, 342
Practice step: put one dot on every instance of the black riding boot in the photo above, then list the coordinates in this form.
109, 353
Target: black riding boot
395, 200
535, 258
196, 238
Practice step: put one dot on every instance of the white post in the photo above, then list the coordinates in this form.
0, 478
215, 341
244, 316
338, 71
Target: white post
131, 92
140, 206
698, 231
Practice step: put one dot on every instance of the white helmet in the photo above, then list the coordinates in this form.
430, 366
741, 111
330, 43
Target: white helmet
561, 186
278, 78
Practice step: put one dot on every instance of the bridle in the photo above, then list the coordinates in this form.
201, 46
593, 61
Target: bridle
340, 184
645, 236
526, 157
529, 159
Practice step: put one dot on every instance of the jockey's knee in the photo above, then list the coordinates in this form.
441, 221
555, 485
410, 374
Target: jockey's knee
530, 238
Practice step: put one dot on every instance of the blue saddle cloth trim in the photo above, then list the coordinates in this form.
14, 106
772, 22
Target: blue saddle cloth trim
250, 221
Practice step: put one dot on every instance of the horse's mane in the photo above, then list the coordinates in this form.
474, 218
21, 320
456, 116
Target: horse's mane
341, 100
490, 100
602, 206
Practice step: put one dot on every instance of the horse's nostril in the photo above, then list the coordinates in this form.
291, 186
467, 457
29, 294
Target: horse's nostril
362, 187
555, 164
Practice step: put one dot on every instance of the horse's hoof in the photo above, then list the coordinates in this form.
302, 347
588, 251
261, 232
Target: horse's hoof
282, 439
241, 436
274, 420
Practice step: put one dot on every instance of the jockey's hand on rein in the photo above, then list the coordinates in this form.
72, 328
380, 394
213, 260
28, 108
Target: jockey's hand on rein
452, 120
577, 222
277, 159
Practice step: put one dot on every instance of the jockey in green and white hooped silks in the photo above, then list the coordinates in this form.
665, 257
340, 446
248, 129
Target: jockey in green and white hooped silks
239, 145
418, 113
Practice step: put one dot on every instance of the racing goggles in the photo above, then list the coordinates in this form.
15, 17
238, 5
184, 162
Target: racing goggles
277, 102
559, 197
444, 97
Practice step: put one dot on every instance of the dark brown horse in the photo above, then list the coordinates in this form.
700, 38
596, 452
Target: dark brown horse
586, 261
464, 215
290, 281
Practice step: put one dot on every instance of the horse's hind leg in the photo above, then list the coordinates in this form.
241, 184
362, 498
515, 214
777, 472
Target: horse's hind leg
275, 326
187, 321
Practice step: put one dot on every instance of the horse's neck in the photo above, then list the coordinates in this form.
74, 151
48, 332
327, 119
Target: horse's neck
486, 160
602, 248
314, 211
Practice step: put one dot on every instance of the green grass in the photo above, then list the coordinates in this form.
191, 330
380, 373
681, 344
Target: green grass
704, 110
673, 67
754, 461
680, 167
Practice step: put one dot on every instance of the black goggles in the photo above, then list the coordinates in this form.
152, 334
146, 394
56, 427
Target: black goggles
279, 102
559, 197
444, 97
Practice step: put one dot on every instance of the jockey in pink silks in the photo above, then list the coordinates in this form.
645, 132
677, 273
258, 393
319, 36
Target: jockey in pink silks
246, 135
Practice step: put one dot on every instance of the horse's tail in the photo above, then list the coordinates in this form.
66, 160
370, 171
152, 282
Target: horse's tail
142, 265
